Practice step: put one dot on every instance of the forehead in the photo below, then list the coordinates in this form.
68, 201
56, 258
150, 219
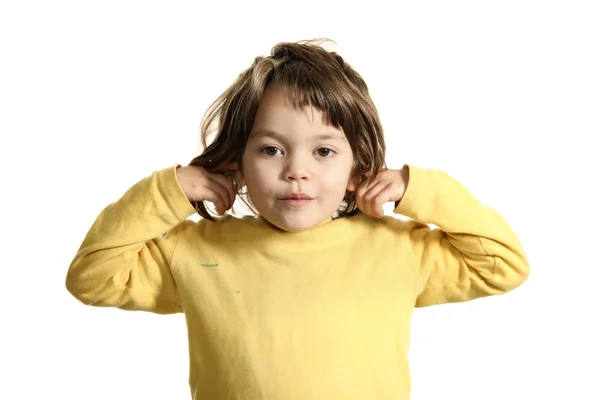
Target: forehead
276, 114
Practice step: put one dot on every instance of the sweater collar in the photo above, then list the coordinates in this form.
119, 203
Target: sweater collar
264, 222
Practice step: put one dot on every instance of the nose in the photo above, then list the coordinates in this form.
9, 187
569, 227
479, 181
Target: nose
296, 169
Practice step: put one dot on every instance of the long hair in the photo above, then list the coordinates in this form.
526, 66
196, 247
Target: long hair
312, 76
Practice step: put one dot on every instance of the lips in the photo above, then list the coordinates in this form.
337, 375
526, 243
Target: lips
297, 196
296, 200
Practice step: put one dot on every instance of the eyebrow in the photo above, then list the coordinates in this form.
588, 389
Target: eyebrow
276, 135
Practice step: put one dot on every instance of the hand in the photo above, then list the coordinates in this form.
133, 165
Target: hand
389, 185
200, 185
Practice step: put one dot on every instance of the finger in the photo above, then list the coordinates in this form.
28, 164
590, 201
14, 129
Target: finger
365, 206
366, 194
374, 190
216, 200
366, 183
225, 169
381, 198
226, 184
368, 174
217, 195
360, 201
372, 200
230, 186
364, 187
389, 193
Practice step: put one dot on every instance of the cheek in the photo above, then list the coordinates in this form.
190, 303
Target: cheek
336, 175
259, 182
334, 184
260, 175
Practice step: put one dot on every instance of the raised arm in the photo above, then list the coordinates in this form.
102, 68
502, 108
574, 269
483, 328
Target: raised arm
472, 253
124, 260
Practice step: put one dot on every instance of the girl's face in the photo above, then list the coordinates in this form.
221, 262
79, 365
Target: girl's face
296, 168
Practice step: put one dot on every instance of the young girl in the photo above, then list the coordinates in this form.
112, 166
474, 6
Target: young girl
311, 296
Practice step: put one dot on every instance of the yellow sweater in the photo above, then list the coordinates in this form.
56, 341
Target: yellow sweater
318, 314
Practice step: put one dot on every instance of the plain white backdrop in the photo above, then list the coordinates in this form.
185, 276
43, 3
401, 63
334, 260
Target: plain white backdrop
504, 96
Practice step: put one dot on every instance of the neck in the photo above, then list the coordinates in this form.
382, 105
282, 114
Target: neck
263, 221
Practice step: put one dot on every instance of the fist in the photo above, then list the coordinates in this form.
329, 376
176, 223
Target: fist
200, 185
389, 185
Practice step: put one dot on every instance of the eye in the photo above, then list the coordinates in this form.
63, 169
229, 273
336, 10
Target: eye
270, 150
324, 152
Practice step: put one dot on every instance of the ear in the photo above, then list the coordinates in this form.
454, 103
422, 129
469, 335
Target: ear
233, 172
353, 181
239, 178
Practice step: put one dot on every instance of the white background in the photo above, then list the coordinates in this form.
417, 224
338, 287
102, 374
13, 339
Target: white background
504, 96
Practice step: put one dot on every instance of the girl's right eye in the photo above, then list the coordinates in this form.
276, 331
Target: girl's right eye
270, 150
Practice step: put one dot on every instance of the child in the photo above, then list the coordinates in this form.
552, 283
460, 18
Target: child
312, 297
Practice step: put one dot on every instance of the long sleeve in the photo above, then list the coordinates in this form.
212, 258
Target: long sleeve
472, 253
124, 259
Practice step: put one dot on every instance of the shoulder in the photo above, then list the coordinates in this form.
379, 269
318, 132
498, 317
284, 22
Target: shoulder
219, 227
193, 226
386, 223
392, 226
364, 225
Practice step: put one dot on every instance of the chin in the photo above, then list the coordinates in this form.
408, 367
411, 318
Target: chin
294, 226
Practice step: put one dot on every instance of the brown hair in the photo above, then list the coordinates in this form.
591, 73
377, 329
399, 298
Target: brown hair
312, 76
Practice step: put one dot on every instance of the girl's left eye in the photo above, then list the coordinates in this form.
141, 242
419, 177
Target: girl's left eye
270, 150
324, 152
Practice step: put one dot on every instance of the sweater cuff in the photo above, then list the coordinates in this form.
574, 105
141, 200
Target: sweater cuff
174, 194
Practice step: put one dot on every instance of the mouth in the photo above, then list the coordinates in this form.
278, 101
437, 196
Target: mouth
296, 200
